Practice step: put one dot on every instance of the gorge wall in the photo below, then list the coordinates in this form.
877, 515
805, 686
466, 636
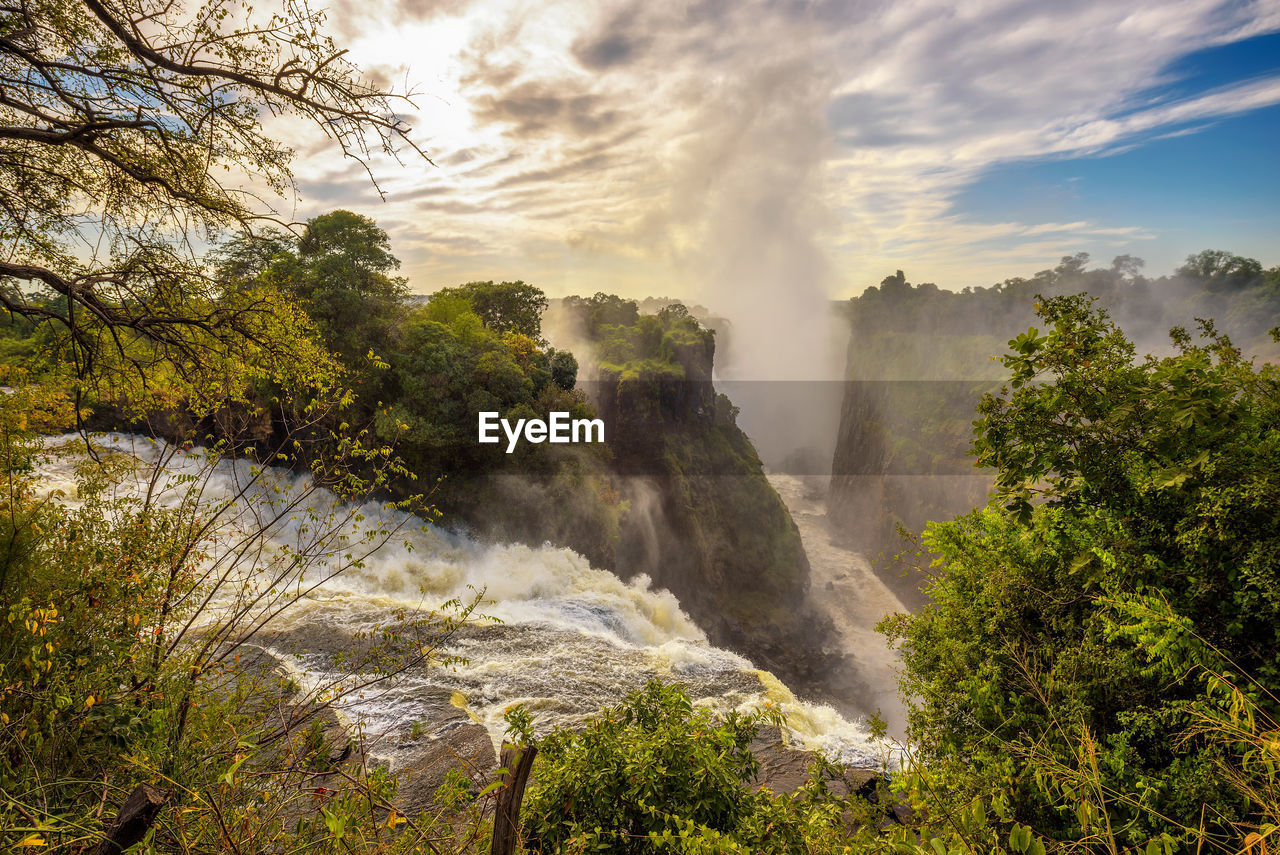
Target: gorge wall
704, 522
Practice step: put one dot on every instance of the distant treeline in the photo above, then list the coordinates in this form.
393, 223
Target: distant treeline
920, 357
1238, 293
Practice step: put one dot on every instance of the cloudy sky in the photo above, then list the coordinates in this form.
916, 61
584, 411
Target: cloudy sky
711, 148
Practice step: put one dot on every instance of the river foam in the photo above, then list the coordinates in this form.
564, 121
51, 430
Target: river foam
558, 635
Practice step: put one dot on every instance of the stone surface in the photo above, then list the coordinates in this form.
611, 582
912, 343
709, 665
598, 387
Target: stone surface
446, 739
784, 769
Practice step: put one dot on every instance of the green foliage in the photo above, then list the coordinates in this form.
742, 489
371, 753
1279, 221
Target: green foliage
649, 345
339, 270
423, 374
443, 374
1132, 547
272, 359
602, 310
1249, 738
1220, 270
502, 306
241, 261
656, 774
564, 368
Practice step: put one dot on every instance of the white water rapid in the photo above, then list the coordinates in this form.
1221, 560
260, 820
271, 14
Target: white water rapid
560, 636
845, 587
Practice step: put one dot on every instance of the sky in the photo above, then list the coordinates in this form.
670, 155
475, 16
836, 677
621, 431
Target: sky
786, 152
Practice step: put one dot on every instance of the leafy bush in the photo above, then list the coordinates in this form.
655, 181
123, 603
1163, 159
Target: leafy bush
1133, 548
656, 773
125, 611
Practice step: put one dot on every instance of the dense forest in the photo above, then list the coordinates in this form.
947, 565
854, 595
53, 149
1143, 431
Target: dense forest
1095, 668
920, 358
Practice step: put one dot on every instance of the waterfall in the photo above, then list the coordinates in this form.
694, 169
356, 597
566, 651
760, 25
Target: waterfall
558, 635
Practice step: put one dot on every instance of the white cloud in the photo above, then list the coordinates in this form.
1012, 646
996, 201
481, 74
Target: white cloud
797, 147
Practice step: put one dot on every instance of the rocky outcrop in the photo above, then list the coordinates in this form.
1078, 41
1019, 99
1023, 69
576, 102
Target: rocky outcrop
423, 760
702, 520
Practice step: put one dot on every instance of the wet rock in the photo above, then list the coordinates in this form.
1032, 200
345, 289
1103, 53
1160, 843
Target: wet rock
877, 791
784, 769
423, 755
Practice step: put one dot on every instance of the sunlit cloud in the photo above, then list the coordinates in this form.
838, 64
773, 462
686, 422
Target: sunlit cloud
803, 148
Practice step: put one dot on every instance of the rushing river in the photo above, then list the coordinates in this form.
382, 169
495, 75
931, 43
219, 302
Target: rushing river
560, 636
843, 585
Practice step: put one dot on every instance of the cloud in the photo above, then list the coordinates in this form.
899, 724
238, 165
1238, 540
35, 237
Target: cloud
576, 169
607, 51
1095, 136
533, 107
350, 19
676, 147
616, 42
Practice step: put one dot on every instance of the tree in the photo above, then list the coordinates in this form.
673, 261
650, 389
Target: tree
359, 249
602, 310
1072, 265
1131, 553
564, 369
239, 263
1127, 265
127, 129
895, 287
341, 271
1220, 270
503, 306
673, 312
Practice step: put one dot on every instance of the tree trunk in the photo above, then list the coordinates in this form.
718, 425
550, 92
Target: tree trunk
517, 761
136, 816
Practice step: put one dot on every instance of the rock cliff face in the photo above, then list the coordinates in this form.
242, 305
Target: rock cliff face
900, 462
918, 362
701, 519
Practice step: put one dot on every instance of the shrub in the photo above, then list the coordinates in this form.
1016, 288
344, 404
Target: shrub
656, 773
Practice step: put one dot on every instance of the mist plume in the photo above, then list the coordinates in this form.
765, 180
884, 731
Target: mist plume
754, 174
